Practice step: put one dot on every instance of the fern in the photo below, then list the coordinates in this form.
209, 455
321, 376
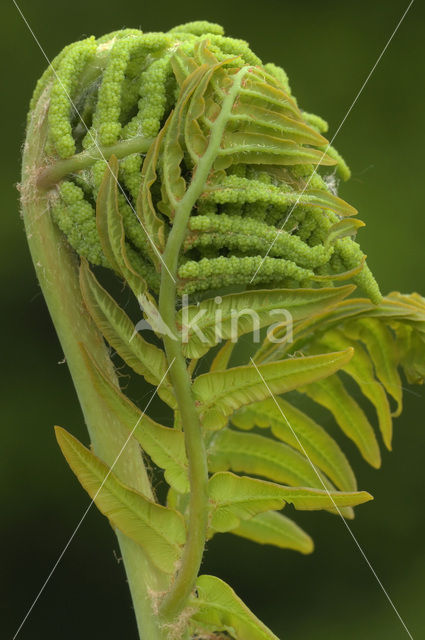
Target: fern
211, 187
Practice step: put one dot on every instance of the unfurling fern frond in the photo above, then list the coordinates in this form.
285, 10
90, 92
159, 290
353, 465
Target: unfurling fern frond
387, 339
261, 200
194, 171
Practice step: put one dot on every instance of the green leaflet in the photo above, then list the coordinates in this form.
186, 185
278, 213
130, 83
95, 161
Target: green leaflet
165, 446
218, 608
342, 229
390, 332
382, 348
276, 529
183, 66
248, 116
153, 225
220, 393
266, 88
195, 139
159, 530
235, 498
285, 151
143, 357
222, 358
393, 307
249, 150
360, 368
174, 185
315, 326
311, 438
326, 200
411, 346
253, 144
231, 316
259, 456
111, 229
332, 394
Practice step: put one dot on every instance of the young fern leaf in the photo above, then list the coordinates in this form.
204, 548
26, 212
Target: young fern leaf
218, 609
159, 530
220, 393
376, 333
222, 358
259, 456
344, 228
163, 445
360, 368
275, 529
153, 224
332, 394
216, 183
289, 424
110, 227
380, 344
242, 313
235, 498
143, 357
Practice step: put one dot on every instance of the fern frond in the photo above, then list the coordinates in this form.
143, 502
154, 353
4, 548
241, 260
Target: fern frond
386, 338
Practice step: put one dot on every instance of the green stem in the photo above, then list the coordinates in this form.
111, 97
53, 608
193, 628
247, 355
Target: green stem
57, 270
54, 172
176, 599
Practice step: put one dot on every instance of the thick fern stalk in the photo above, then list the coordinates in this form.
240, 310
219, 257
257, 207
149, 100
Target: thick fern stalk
57, 270
184, 165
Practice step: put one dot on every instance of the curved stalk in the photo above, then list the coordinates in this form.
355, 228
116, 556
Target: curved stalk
53, 173
57, 270
175, 600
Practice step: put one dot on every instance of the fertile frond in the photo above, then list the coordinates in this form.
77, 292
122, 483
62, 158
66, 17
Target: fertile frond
194, 172
197, 103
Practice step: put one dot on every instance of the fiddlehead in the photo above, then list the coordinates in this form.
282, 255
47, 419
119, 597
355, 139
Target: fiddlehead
216, 180
264, 169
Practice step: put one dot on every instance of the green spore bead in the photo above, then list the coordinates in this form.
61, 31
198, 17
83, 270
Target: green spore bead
223, 272
70, 67
76, 219
133, 229
306, 229
351, 256
106, 125
97, 174
268, 201
198, 28
153, 89
234, 47
316, 122
342, 168
249, 235
241, 191
117, 35
258, 210
130, 174
141, 266
48, 76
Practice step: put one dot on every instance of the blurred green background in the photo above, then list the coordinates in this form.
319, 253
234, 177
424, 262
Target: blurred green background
327, 48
